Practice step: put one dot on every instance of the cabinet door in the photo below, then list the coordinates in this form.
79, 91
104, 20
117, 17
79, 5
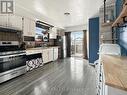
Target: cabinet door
50, 54
53, 33
32, 27
45, 56
26, 27
55, 53
3, 20
11, 21
18, 22
29, 27
15, 22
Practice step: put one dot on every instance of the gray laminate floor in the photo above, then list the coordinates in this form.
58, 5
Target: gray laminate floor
71, 76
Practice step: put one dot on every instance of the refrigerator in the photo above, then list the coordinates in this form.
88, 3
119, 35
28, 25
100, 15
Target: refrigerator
61, 42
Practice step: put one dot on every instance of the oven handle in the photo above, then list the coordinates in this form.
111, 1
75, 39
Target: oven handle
12, 55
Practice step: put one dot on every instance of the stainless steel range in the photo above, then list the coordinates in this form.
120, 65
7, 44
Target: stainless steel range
12, 60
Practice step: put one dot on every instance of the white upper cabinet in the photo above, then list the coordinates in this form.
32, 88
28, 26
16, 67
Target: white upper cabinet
26, 26
15, 22
53, 33
45, 56
33, 27
11, 21
29, 27
3, 20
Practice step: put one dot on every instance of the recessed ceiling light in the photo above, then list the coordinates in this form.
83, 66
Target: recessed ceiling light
67, 13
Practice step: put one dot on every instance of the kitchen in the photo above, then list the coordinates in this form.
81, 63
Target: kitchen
35, 47
31, 46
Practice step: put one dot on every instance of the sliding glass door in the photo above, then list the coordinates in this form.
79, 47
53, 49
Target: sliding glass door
77, 44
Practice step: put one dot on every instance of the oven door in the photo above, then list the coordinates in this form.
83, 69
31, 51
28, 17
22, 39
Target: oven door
10, 62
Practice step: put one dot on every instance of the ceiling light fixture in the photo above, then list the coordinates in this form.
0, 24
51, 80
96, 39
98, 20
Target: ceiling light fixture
67, 13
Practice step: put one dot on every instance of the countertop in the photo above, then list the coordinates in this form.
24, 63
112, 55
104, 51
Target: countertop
115, 71
38, 49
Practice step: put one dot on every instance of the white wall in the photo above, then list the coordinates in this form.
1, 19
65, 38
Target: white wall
76, 28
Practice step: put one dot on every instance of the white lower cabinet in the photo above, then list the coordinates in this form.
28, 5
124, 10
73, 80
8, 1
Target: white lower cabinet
55, 52
50, 54
45, 56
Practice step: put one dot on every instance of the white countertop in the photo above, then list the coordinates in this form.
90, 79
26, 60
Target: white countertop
38, 49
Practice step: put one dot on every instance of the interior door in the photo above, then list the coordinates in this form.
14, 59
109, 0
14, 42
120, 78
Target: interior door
93, 39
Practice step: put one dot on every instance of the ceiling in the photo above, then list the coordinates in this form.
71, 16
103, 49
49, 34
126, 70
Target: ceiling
80, 10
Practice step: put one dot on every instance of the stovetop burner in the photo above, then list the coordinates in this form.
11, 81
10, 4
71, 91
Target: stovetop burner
9, 50
12, 52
